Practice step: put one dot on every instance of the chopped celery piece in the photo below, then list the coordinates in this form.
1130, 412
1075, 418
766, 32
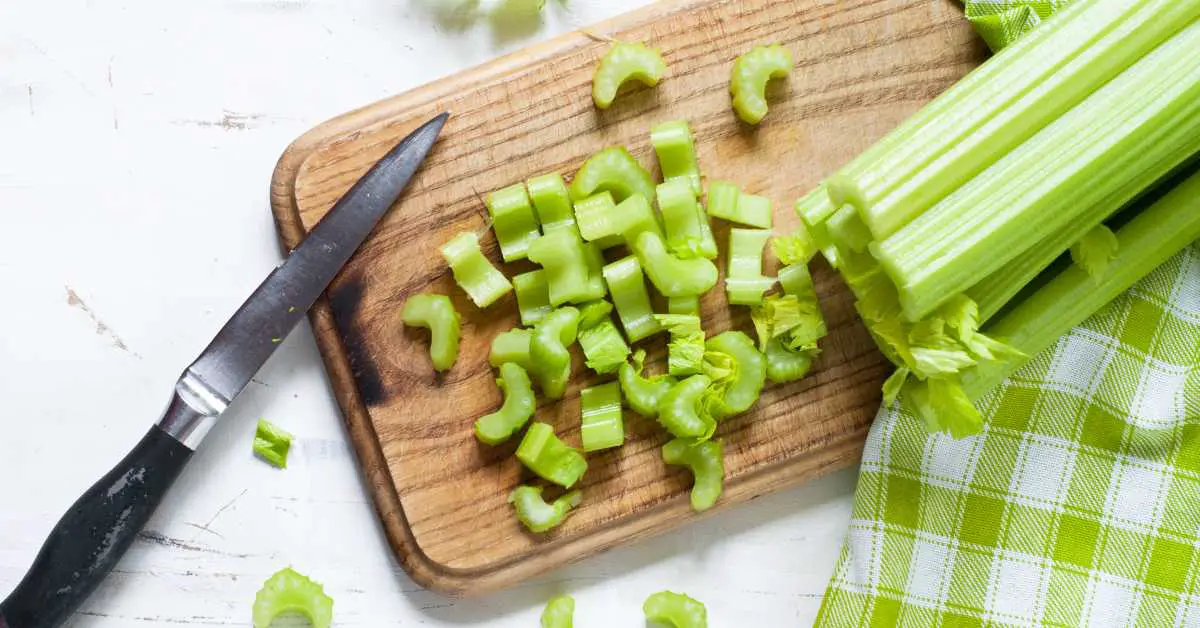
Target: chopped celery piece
787, 365
625, 61
679, 409
848, 231
751, 73
568, 267
1079, 169
676, 610
676, 150
533, 296
814, 210
594, 258
628, 289
1001, 105
552, 201
596, 217
643, 394
633, 216
744, 282
708, 243
272, 443
536, 514
512, 346
705, 460
673, 276
686, 350
473, 272
797, 319
603, 426
603, 347
513, 221
1095, 250
745, 388
593, 313
1037, 321
290, 592
548, 350
795, 279
722, 199
684, 305
553, 460
797, 249
684, 220
436, 313
559, 612
612, 170
518, 406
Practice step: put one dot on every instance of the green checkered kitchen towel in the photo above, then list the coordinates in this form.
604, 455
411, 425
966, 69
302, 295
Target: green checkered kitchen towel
1078, 505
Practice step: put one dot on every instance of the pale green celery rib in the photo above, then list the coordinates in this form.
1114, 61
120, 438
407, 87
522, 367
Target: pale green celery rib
1151, 238
983, 93
943, 163
1081, 168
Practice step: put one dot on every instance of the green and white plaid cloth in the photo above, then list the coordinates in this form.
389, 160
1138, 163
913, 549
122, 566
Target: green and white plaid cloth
1078, 505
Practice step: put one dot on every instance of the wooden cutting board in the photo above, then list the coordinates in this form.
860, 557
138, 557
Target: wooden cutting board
862, 66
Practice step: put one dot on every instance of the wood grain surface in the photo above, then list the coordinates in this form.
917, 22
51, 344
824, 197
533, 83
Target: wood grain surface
862, 66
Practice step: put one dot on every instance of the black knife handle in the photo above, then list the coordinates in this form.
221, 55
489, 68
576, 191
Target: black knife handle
91, 537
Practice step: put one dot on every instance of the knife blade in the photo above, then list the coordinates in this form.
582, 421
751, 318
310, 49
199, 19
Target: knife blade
96, 530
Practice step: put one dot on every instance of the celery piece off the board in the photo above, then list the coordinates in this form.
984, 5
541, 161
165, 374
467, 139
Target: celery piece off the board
473, 272
518, 406
513, 220
627, 285
602, 423
751, 73
676, 150
744, 281
436, 313
625, 61
533, 296
272, 443
535, 513
553, 460
612, 170
551, 201
676, 610
559, 612
603, 347
287, 591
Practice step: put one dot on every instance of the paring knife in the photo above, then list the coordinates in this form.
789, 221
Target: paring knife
89, 539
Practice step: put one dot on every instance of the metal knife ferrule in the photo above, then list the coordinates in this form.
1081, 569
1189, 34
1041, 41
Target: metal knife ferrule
193, 410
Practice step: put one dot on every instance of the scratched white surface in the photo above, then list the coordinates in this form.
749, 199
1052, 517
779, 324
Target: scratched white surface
136, 142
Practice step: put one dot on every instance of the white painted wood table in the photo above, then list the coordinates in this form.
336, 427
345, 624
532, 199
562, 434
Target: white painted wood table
136, 142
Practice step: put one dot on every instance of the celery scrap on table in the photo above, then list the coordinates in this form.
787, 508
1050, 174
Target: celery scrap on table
473, 272
436, 313
751, 73
272, 443
538, 515
517, 409
602, 425
705, 459
625, 61
559, 612
676, 610
287, 591
546, 455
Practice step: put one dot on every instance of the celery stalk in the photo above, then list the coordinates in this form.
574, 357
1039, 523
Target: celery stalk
627, 285
982, 95
1151, 238
942, 164
1081, 168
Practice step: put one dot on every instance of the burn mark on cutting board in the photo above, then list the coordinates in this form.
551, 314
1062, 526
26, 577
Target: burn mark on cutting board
345, 299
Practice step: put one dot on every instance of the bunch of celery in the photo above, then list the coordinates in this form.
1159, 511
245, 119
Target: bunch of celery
940, 227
